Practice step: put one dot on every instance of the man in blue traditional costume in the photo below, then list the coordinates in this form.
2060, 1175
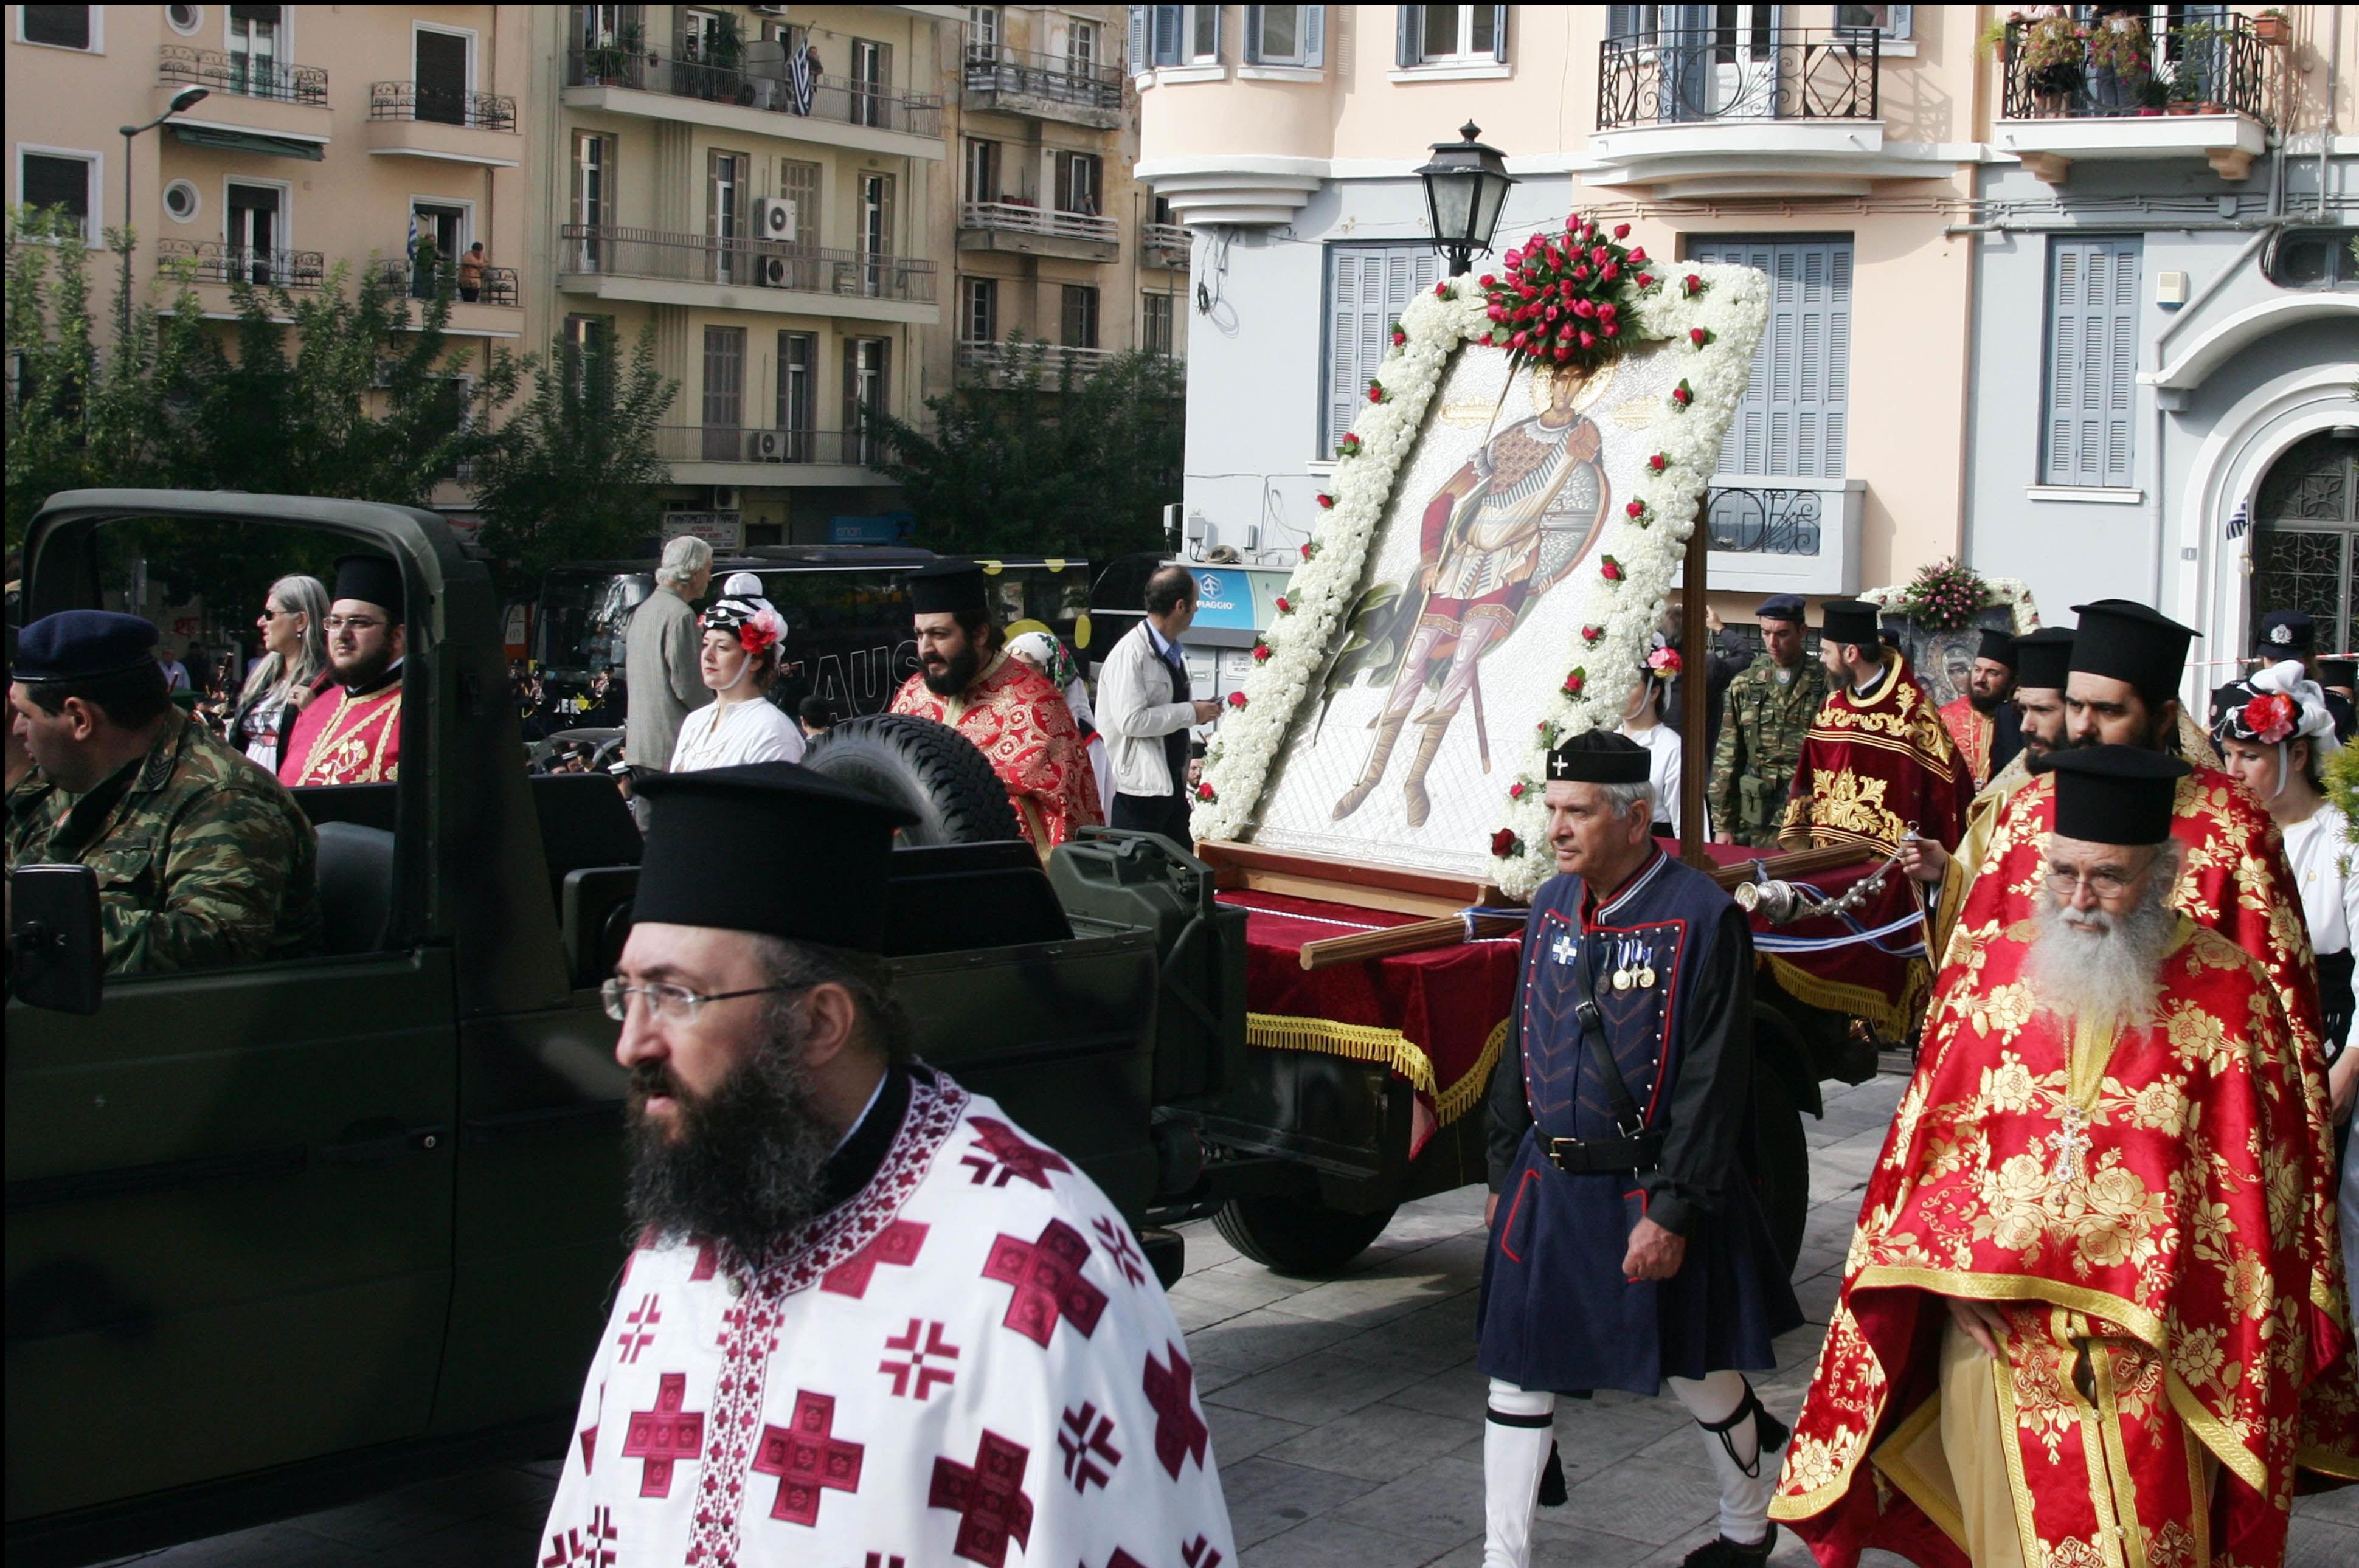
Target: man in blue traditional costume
1626, 1248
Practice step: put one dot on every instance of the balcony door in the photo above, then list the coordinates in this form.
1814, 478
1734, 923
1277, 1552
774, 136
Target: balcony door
866, 388
442, 72
798, 393
253, 48
724, 395
445, 226
253, 231
876, 231
1720, 63
725, 207
594, 163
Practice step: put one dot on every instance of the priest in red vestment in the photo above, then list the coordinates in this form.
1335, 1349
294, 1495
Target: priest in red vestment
1876, 766
1982, 720
2094, 1313
1014, 714
354, 736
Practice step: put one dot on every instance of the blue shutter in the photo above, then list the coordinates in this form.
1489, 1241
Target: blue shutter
1899, 20
1138, 41
1795, 413
2092, 360
1499, 34
1168, 21
1252, 34
1314, 36
1220, 15
1367, 287
1407, 32
1683, 60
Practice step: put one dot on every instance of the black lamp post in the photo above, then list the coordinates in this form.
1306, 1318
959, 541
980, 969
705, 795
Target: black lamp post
187, 98
1466, 187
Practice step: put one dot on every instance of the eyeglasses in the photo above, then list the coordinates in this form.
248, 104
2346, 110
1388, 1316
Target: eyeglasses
676, 1004
357, 623
272, 612
2106, 882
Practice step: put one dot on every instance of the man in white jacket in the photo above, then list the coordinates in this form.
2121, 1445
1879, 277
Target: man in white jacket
1145, 711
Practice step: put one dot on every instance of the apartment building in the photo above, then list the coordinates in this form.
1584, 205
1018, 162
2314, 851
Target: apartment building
1056, 242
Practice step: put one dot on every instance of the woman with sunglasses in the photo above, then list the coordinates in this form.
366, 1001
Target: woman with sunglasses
293, 625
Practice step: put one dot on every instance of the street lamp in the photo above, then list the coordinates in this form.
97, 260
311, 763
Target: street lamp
1466, 187
187, 98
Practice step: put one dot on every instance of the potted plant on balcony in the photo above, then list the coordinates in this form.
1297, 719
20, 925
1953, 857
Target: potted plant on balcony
2119, 51
2055, 56
2273, 28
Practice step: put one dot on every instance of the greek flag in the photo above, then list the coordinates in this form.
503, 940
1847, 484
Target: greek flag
413, 234
2241, 521
802, 82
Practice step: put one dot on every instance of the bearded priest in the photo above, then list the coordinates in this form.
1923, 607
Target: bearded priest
2087, 1317
868, 1318
1982, 720
1014, 714
357, 737
1878, 764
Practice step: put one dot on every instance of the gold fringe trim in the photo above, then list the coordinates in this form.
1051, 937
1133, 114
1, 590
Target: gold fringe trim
1369, 1042
1896, 1016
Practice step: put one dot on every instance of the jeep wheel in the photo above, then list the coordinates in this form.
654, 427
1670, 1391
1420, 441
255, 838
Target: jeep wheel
1291, 1237
928, 768
1781, 1163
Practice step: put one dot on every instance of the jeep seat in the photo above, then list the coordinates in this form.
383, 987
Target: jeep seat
355, 887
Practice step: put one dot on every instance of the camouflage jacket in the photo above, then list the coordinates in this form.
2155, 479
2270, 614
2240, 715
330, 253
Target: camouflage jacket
204, 859
1761, 740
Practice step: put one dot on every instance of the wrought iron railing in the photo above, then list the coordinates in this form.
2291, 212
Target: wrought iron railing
745, 444
1164, 244
1765, 519
991, 360
759, 83
499, 285
215, 262
2062, 70
1680, 76
243, 75
745, 262
1027, 218
442, 107
989, 68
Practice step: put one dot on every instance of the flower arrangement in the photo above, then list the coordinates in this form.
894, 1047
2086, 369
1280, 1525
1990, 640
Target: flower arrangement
1567, 298
2011, 593
1721, 313
1945, 596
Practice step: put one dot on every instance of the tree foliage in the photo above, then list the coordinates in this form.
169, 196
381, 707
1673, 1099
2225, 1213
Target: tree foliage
1050, 461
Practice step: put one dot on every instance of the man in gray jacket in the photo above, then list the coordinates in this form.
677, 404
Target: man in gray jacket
1145, 711
660, 661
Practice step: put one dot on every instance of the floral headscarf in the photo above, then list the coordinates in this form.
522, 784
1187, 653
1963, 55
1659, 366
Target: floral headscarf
1056, 660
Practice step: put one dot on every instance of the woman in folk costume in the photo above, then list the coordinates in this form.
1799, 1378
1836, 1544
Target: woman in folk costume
1645, 720
1052, 658
743, 638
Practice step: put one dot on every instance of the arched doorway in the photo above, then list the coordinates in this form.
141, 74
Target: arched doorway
2306, 535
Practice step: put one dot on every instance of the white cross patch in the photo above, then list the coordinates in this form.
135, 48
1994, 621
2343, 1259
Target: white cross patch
1564, 951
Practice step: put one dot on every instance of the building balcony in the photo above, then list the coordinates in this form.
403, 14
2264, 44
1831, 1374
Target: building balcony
241, 76
1697, 113
1165, 245
753, 458
217, 269
1773, 534
659, 269
998, 363
1041, 87
760, 97
498, 287
405, 120
209, 260
1022, 229
2124, 94
272, 109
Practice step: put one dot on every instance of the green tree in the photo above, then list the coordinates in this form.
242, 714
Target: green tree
573, 472
1068, 463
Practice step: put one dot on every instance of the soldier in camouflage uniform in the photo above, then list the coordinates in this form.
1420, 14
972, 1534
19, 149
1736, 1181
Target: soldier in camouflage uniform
1770, 709
204, 859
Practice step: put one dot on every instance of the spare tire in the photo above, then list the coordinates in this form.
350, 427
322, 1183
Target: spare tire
927, 768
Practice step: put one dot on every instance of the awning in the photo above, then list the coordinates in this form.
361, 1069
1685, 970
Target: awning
250, 142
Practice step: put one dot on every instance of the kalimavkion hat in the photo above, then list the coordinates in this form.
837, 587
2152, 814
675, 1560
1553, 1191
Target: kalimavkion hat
2338, 672
2125, 641
2284, 631
1998, 647
1850, 621
1599, 756
948, 587
2042, 657
2115, 795
372, 579
1781, 607
81, 645
771, 847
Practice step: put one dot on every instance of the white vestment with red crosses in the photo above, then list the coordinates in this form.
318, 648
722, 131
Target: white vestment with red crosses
967, 1361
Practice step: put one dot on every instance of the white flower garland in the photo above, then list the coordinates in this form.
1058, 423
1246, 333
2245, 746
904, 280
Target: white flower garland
2010, 591
1624, 587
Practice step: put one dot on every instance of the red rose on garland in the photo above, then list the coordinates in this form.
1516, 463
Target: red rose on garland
1204, 793
1611, 570
1505, 844
1699, 336
1575, 681
1515, 790
1261, 653
1236, 699
1326, 502
1682, 395
1657, 462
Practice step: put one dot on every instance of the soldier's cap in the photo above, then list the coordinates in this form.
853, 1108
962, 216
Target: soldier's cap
80, 645
2338, 672
371, 579
1850, 621
1998, 647
2282, 631
770, 847
1781, 607
2042, 657
1599, 756
951, 587
2125, 641
2115, 795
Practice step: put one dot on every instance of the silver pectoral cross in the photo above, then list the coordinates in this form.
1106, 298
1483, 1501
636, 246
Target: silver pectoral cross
2071, 1144
1564, 951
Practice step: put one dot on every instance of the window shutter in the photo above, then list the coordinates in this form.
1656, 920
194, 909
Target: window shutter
1135, 41
1899, 20
1367, 287
2091, 361
1252, 34
1406, 32
1169, 19
1219, 15
1499, 34
850, 388
1620, 21
1795, 413
1314, 36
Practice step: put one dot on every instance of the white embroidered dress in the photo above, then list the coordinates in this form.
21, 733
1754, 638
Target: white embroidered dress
719, 736
967, 1361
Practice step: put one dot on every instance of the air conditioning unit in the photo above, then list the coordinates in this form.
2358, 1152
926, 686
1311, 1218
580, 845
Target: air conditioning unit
724, 498
774, 218
768, 10
766, 446
773, 272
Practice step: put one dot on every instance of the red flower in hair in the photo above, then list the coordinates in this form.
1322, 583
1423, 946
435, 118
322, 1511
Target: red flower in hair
761, 633
2271, 716
1664, 660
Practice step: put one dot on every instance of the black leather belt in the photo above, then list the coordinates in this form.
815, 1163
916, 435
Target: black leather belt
1585, 1156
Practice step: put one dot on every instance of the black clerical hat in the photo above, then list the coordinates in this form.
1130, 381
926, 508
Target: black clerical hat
2042, 657
2284, 633
1599, 756
2338, 672
81, 645
372, 579
948, 587
1781, 607
1850, 621
772, 848
1998, 647
2125, 641
2115, 795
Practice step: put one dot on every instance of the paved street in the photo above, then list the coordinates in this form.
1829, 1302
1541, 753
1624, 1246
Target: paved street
1347, 1418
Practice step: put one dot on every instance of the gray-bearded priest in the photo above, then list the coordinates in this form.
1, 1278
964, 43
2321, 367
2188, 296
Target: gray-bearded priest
1627, 1249
868, 1318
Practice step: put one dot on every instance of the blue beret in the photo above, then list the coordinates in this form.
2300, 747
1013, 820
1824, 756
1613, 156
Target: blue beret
83, 645
1781, 607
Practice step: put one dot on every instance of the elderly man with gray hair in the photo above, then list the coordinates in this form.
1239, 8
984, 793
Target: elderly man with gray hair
660, 661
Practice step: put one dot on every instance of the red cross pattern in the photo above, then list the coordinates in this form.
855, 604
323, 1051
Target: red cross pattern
592, 1547
916, 1376
1200, 1553
589, 1445
1179, 1432
806, 1458
664, 1436
988, 1496
1000, 1152
1086, 1438
1114, 1238
897, 1244
638, 1330
707, 1261
1122, 1559
878, 1559
1049, 1283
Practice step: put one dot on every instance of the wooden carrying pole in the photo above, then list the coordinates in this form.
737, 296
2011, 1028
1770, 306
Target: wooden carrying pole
1695, 695
1414, 937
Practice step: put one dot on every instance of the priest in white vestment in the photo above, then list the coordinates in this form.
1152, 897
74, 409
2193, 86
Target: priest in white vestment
870, 1321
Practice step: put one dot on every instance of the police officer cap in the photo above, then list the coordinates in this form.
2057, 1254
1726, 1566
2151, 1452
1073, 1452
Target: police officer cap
2115, 795
770, 847
1850, 621
81, 645
1781, 607
948, 587
1599, 756
371, 579
1998, 647
2043, 658
2284, 631
2125, 641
